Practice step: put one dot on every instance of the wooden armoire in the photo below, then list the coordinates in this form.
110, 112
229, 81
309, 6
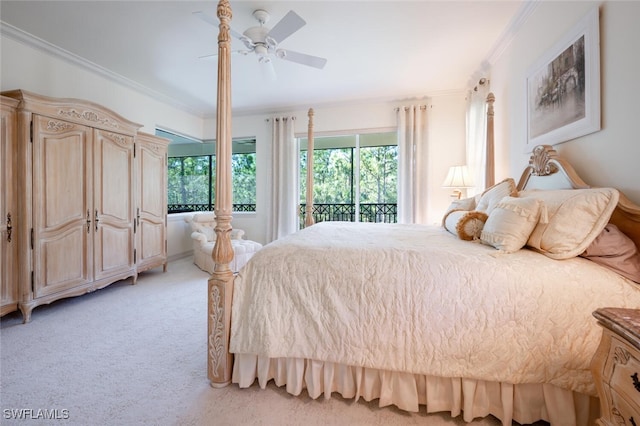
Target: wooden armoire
86, 198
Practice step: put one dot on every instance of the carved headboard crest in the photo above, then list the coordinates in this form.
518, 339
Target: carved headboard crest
545, 162
540, 161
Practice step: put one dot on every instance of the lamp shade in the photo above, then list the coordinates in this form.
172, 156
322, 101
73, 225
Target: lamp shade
458, 177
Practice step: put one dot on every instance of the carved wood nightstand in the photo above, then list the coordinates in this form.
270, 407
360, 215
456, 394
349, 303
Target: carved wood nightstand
616, 366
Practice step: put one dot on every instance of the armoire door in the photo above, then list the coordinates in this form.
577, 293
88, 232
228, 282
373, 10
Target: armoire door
62, 234
113, 204
8, 212
151, 213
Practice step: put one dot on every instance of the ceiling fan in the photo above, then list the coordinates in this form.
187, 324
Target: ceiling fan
265, 42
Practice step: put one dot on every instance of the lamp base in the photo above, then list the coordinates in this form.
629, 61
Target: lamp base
456, 194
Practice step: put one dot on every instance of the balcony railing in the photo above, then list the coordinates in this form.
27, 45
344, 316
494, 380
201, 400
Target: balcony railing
369, 212
183, 208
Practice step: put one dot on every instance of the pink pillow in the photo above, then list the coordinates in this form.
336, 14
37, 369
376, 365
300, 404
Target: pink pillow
614, 250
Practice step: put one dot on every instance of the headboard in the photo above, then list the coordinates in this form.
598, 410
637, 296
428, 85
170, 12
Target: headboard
547, 170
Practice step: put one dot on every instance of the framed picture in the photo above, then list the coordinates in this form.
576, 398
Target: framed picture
563, 87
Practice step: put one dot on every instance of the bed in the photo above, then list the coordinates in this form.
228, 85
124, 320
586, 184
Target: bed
490, 313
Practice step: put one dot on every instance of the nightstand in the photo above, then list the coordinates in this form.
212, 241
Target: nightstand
616, 366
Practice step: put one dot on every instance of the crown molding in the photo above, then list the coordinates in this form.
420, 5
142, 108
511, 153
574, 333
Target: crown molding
7, 30
503, 42
282, 109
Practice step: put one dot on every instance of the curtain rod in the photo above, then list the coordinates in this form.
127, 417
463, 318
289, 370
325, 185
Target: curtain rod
481, 82
396, 109
280, 118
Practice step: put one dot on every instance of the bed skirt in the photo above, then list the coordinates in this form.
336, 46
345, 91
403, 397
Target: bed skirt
523, 403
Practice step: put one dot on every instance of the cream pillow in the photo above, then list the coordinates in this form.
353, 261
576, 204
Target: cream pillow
464, 224
574, 218
491, 196
466, 204
208, 231
510, 223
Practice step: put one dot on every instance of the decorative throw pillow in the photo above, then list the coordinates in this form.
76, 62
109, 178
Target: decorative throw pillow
510, 223
467, 225
466, 204
492, 195
574, 218
614, 250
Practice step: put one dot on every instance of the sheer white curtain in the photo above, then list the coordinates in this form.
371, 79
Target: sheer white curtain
412, 164
284, 179
477, 135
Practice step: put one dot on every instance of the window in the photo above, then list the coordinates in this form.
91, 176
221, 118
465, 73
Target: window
243, 174
355, 178
189, 180
191, 174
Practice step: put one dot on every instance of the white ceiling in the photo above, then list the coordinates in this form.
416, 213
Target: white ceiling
375, 49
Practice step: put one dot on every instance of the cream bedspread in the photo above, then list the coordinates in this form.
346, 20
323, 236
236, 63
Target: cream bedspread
416, 299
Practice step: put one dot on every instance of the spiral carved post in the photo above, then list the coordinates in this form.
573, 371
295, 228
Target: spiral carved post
220, 284
490, 156
308, 221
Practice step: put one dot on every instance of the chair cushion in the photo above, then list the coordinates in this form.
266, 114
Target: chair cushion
243, 250
207, 231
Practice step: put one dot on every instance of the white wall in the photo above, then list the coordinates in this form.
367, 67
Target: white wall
28, 68
179, 242
609, 157
445, 121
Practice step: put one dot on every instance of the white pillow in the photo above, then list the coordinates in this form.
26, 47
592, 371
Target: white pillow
466, 225
492, 195
510, 223
466, 204
574, 218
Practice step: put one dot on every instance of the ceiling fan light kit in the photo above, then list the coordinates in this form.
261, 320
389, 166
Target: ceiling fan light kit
264, 42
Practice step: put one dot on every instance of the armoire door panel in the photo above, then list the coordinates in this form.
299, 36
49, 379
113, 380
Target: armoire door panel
114, 176
68, 151
151, 212
113, 199
6, 119
115, 253
62, 263
152, 240
152, 167
61, 205
9, 214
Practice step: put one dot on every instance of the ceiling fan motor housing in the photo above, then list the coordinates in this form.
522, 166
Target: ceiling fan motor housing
257, 34
261, 16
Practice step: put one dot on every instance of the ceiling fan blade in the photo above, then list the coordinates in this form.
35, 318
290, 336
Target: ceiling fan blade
288, 25
213, 21
302, 58
233, 52
211, 56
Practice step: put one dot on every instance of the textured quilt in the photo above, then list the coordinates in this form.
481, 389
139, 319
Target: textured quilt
415, 298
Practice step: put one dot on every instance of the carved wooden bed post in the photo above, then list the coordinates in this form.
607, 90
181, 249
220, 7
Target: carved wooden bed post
490, 172
220, 285
309, 206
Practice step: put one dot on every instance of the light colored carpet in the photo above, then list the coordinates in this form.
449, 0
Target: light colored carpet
136, 355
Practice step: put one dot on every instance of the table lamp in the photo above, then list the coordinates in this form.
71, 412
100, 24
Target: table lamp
457, 178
